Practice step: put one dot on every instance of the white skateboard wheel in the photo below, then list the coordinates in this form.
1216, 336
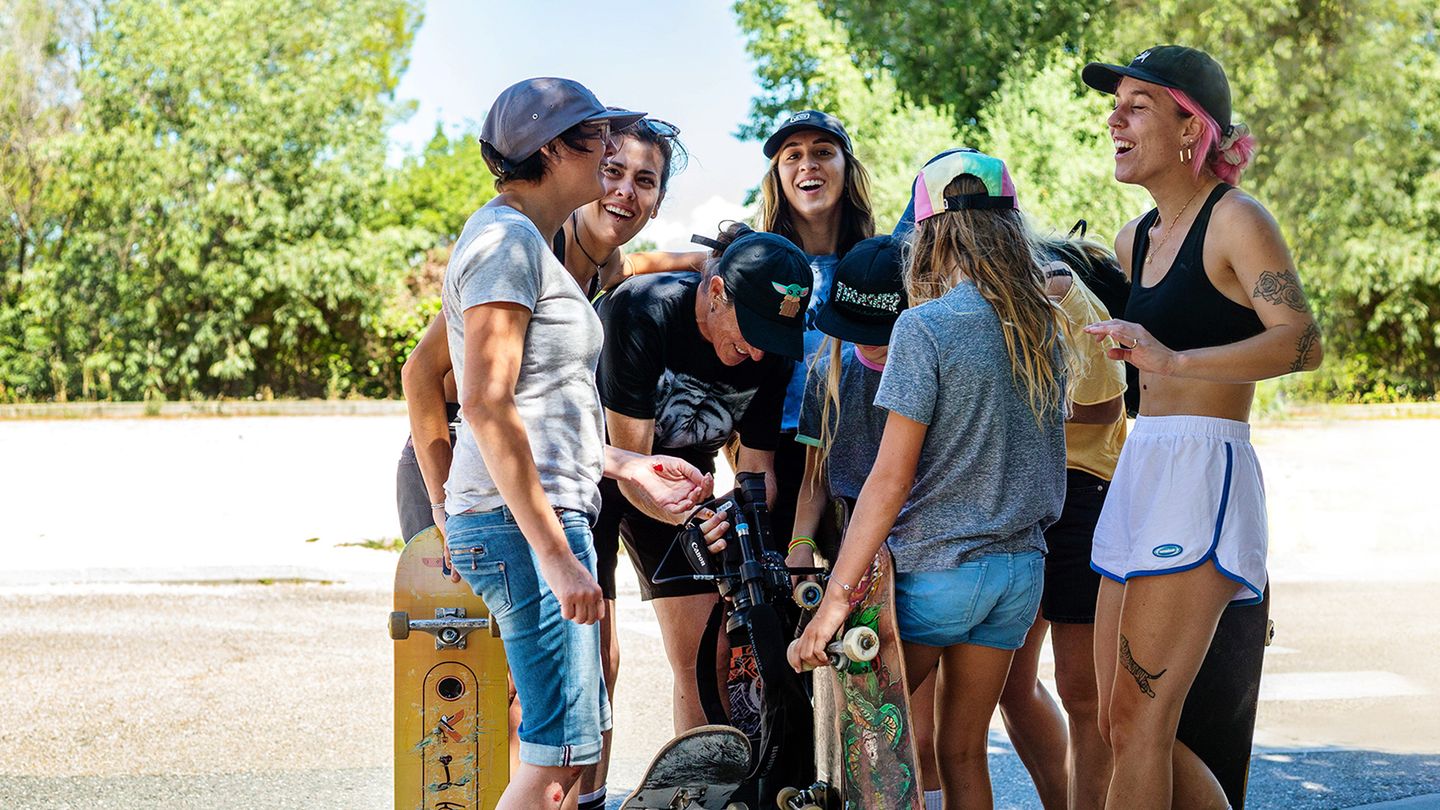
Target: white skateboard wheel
861, 644
808, 595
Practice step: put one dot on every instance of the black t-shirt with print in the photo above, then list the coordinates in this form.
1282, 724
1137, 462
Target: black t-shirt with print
656, 365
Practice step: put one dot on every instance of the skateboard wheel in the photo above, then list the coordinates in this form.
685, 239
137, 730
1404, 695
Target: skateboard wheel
1269, 631
399, 625
861, 644
736, 806
787, 795
808, 595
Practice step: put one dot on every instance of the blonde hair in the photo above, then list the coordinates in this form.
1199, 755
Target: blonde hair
857, 222
830, 347
995, 250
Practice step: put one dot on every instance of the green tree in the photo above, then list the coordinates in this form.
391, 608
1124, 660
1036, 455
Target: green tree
1344, 99
440, 188
803, 61
954, 56
227, 161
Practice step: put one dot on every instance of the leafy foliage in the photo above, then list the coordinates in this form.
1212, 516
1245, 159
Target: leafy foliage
208, 226
1343, 97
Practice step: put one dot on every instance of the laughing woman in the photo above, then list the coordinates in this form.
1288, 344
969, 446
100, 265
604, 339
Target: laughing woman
816, 193
1215, 305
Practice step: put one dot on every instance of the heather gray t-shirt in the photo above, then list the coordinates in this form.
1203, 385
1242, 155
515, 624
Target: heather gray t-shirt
990, 480
856, 425
501, 257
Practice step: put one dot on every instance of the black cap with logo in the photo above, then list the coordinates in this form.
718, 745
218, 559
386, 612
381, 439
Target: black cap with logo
868, 294
1188, 70
769, 281
809, 119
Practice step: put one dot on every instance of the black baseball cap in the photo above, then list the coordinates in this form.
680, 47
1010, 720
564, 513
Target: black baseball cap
769, 281
1188, 70
809, 119
867, 295
529, 114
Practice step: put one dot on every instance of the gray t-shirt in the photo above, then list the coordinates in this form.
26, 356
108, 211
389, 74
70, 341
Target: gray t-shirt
501, 257
856, 425
989, 479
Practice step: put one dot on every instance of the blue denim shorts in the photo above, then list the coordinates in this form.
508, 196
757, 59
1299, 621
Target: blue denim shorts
554, 662
990, 601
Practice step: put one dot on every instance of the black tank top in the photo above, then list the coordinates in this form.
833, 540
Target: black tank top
1184, 310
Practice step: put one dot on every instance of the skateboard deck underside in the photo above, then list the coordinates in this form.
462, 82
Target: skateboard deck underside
1218, 720
864, 745
699, 769
451, 706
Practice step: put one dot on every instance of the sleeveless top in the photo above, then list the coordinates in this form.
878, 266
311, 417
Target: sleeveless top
1184, 310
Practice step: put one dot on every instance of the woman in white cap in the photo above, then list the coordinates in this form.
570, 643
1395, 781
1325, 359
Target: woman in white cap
1215, 305
522, 489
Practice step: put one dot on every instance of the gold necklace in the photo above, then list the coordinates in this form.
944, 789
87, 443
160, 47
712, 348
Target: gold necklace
1164, 237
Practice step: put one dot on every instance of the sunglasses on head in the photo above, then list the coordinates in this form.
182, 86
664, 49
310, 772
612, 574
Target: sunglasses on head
664, 129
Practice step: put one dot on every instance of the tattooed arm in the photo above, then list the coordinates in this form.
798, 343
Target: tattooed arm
1246, 240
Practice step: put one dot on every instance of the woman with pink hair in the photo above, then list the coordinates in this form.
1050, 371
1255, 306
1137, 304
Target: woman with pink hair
1215, 305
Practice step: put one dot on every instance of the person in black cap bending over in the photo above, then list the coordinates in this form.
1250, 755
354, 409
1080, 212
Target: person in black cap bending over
1215, 305
690, 361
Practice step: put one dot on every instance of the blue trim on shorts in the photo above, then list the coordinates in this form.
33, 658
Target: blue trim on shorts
1209, 555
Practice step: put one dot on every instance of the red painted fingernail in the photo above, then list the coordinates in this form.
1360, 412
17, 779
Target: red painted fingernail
659, 468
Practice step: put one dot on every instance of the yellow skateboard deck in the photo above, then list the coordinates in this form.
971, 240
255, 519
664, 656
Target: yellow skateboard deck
452, 746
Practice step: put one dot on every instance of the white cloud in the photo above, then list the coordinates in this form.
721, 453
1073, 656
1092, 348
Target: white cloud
672, 229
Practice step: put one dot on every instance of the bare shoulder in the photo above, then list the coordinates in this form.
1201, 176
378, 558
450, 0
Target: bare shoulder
1125, 244
1238, 212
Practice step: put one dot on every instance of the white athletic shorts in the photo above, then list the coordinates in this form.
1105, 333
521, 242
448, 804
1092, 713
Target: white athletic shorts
1187, 491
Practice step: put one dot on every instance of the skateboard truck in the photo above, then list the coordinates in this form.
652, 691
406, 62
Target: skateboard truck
815, 797
858, 644
450, 627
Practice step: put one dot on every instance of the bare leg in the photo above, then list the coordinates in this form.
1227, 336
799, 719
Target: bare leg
1034, 722
594, 777
1088, 758
970, 680
1166, 624
922, 722
682, 621
533, 786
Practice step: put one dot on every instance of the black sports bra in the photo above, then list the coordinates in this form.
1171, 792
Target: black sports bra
1184, 310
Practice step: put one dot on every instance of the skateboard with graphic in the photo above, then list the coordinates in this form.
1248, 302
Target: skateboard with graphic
698, 770
864, 747
452, 747
1218, 720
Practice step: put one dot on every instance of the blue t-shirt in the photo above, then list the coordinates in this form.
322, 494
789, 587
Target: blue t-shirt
823, 269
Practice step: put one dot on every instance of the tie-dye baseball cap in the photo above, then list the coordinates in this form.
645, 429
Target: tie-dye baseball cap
929, 191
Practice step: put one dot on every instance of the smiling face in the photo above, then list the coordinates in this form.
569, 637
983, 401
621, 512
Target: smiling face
1148, 129
577, 174
811, 170
632, 194
723, 329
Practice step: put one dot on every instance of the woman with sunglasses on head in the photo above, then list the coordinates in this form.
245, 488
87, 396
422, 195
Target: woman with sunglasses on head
1215, 305
816, 193
971, 465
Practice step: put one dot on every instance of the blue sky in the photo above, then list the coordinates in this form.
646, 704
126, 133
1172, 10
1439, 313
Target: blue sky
681, 61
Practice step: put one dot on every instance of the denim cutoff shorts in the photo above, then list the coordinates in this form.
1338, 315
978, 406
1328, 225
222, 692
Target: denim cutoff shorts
554, 662
990, 601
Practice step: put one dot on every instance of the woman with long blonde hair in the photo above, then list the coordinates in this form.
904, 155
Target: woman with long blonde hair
815, 193
971, 468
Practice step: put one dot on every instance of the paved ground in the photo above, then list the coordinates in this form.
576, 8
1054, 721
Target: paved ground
136, 686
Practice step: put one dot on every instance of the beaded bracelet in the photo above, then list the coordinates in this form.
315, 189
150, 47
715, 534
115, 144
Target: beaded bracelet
435, 506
